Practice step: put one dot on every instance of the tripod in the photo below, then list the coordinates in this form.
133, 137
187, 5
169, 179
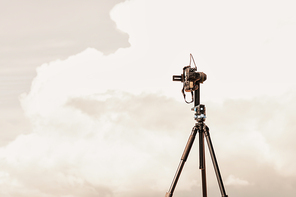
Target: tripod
203, 130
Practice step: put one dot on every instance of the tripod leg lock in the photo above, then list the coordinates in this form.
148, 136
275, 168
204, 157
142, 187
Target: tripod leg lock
206, 130
189, 144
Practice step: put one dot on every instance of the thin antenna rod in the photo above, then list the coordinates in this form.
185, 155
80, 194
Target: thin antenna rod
191, 57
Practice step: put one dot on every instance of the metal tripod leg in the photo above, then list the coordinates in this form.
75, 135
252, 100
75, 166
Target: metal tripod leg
182, 162
202, 162
214, 160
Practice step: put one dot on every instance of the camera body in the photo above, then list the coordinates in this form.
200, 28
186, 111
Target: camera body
190, 78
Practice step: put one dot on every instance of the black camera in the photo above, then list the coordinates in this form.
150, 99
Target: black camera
191, 78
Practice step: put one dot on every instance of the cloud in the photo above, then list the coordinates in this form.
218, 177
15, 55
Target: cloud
102, 149
232, 180
118, 143
116, 125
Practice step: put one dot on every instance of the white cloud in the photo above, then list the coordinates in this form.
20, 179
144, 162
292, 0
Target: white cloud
102, 125
232, 180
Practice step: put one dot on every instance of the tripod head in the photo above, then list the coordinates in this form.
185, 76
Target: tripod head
190, 79
200, 113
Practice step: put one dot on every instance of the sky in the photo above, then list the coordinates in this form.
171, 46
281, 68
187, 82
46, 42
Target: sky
89, 108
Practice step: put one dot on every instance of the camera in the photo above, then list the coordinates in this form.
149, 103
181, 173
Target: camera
190, 78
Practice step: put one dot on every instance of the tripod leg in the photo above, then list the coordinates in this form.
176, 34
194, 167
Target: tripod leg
202, 162
214, 160
182, 162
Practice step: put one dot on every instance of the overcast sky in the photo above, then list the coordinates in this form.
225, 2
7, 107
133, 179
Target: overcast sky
89, 108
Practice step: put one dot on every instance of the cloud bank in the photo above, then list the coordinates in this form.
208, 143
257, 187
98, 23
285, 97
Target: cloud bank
90, 141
